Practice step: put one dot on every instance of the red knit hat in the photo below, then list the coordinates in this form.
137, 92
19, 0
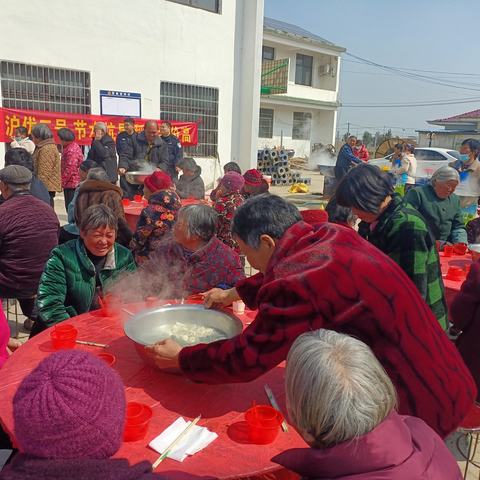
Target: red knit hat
253, 177
158, 181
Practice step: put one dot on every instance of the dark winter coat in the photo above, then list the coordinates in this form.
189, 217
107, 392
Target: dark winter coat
400, 448
191, 187
314, 281
98, 192
175, 153
124, 146
67, 286
345, 161
138, 154
28, 232
103, 153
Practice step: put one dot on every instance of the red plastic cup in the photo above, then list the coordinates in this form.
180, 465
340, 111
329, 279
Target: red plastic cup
63, 337
125, 202
263, 424
108, 358
460, 249
137, 420
137, 198
455, 273
447, 250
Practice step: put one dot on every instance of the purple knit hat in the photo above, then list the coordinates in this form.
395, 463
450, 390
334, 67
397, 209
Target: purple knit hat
232, 181
71, 406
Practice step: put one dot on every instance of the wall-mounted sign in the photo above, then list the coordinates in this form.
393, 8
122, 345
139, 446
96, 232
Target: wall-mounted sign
125, 104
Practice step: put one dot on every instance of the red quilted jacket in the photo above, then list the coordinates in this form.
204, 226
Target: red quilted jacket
327, 276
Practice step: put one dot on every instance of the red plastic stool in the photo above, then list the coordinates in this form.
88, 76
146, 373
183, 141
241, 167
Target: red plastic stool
314, 216
470, 426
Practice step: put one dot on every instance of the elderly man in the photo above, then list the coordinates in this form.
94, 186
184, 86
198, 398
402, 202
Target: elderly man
195, 260
327, 276
439, 206
343, 404
28, 231
346, 158
103, 152
175, 150
146, 152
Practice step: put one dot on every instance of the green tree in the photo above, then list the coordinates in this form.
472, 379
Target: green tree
367, 138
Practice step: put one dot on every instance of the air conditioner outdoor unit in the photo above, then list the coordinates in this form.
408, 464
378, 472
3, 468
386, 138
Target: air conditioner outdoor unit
327, 69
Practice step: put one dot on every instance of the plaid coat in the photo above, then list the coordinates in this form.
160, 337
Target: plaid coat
403, 235
327, 276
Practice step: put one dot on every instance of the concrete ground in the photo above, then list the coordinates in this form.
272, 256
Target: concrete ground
312, 200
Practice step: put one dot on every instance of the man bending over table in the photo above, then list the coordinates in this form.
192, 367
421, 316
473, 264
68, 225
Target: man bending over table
327, 276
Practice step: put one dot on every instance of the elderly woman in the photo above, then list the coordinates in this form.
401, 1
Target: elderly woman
439, 206
157, 218
103, 151
195, 260
255, 184
46, 160
343, 404
228, 167
72, 158
77, 272
190, 184
227, 201
397, 229
326, 276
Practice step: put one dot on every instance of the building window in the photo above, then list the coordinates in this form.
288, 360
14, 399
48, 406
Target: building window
209, 5
265, 128
302, 123
303, 71
268, 53
193, 103
51, 89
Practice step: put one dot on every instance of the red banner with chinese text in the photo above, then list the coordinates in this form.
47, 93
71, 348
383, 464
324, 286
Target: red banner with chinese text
82, 125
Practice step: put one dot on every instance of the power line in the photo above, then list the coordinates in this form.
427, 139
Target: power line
430, 103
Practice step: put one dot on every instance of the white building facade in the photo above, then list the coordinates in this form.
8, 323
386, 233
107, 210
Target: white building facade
190, 60
307, 113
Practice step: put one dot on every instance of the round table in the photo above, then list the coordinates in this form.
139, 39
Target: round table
134, 209
452, 287
222, 406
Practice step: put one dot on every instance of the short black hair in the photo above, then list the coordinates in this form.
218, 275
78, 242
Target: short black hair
129, 120
232, 167
22, 131
409, 148
365, 187
264, 215
339, 214
19, 156
66, 135
473, 144
398, 146
165, 122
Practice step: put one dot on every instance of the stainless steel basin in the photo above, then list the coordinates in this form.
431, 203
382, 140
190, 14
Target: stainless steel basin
136, 178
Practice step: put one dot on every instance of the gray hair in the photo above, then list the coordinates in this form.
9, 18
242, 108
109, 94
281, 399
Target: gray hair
336, 388
445, 174
101, 126
98, 216
187, 163
18, 187
200, 220
41, 131
97, 173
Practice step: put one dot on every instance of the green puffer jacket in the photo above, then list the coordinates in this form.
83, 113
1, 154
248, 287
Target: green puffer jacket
67, 285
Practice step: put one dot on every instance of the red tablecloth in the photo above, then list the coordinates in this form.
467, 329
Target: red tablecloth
134, 209
452, 287
222, 406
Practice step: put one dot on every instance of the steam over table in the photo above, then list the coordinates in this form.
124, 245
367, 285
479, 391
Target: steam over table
222, 406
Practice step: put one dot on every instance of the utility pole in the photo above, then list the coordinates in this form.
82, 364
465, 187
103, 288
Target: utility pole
348, 129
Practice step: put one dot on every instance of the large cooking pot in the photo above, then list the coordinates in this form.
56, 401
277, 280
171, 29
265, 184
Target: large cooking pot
182, 323
136, 178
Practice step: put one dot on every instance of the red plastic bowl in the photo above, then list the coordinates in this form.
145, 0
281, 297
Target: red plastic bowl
460, 249
455, 273
447, 250
137, 198
108, 358
63, 339
263, 424
125, 202
137, 420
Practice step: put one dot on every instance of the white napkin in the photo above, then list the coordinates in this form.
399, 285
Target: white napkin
197, 439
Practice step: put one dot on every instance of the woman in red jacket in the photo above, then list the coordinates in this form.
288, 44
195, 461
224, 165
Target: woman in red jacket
343, 404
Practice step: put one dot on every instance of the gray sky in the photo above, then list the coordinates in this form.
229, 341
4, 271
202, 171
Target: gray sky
437, 35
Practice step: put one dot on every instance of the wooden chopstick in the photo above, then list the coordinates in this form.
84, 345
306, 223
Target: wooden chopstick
168, 450
92, 344
274, 404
